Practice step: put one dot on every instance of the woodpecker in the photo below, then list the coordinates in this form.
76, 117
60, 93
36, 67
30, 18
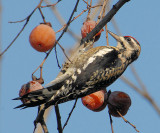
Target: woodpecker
88, 72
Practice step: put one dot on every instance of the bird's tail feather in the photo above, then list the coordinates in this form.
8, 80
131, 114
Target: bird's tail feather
36, 98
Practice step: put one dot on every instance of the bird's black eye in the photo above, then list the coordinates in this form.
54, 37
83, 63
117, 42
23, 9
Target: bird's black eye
128, 39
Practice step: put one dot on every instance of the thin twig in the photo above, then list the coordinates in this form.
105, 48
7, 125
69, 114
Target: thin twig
64, 51
106, 28
144, 89
77, 17
0, 60
111, 122
27, 20
59, 125
85, 2
103, 14
42, 15
144, 94
127, 121
89, 9
57, 58
61, 28
85, 11
70, 114
51, 4
138, 78
69, 21
102, 10
96, 10
41, 65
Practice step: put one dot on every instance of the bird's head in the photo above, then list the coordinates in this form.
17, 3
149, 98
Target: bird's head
129, 46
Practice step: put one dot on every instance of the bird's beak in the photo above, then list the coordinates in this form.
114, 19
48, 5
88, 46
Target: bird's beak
118, 38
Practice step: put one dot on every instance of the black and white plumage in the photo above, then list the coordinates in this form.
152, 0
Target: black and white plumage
89, 72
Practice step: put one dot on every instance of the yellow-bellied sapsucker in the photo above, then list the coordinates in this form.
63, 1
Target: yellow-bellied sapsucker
89, 72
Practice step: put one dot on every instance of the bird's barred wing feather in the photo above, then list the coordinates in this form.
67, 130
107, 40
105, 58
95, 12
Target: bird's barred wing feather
98, 67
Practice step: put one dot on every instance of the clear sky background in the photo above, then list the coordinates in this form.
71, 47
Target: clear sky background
138, 18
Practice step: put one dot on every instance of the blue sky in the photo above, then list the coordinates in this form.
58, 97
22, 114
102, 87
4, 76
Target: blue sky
139, 19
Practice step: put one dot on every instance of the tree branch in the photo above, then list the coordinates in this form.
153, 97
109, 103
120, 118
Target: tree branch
70, 114
105, 20
143, 93
59, 125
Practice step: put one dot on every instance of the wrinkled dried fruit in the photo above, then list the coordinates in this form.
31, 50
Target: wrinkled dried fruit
118, 101
87, 27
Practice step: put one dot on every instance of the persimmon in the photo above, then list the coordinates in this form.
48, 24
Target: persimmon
118, 101
95, 101
42, 38
87, 27
29, 87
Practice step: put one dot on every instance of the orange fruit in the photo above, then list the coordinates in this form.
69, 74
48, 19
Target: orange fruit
87, 27
42, 38
118, 101
95, 101
29, 87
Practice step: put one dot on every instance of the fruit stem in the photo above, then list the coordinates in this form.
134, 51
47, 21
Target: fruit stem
42, 15
127, 121
111, 122
70, 114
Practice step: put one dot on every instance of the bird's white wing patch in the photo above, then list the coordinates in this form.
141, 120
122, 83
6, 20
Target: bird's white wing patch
101, 53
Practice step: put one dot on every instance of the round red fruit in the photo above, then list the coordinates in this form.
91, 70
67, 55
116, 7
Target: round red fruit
95, 101
42, 38
118, 101
87, 27
29, 87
